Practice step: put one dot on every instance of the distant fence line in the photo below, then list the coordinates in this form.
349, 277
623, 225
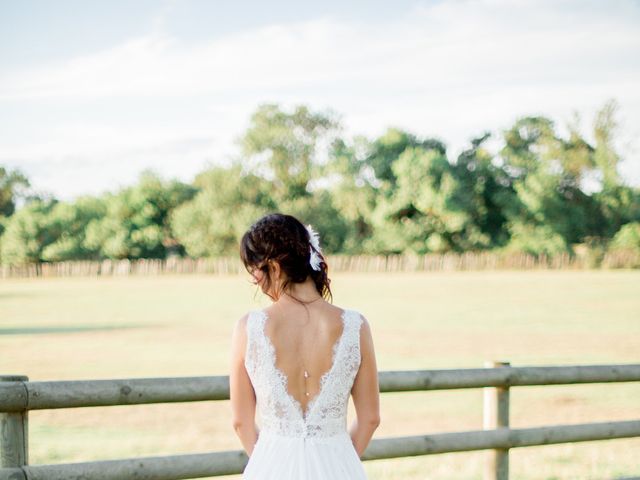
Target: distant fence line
18, 396
337, 263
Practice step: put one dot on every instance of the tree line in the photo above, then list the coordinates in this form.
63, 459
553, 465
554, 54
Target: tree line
397, 193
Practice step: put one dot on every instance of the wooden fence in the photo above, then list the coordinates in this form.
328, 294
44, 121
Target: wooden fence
18, 395
337, 263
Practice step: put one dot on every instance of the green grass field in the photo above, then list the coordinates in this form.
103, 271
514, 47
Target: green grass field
91, 328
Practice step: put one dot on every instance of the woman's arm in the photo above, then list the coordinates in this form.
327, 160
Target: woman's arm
365, 393
241, 393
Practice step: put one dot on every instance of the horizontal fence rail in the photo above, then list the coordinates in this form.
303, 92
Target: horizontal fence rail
200, 465
18, 396
39, 395
500, 438
337, 263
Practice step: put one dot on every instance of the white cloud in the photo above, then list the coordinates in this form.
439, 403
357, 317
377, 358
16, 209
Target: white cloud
451, 69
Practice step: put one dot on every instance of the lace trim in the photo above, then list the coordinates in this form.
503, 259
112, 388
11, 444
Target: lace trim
283, 377
280, 411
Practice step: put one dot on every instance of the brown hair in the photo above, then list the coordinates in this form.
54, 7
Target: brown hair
285, 239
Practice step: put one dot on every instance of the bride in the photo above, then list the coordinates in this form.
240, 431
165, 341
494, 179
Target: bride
296, 363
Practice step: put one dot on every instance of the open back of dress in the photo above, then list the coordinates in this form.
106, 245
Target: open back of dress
296, 444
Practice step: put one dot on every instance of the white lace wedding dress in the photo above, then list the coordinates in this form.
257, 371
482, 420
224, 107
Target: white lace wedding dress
292, 445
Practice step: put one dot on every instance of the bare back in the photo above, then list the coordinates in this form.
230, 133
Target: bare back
274, 347
304, 340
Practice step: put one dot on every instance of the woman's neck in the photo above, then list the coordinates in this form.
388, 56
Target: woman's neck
301, 292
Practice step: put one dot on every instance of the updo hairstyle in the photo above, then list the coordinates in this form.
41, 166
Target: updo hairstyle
284, 239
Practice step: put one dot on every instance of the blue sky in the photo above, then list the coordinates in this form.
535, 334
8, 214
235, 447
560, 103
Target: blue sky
93, 92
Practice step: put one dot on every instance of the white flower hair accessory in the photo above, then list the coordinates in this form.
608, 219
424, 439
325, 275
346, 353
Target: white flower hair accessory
314, 240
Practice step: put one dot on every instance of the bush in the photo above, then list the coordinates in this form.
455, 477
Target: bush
624, 248
627, 238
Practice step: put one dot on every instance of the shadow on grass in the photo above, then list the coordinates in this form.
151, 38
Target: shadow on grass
70, 329
12, 295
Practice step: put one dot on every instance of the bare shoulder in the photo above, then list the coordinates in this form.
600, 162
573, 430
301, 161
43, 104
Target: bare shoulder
242, 321
366, 337
240, 327
333, 309
365, 327
239, 339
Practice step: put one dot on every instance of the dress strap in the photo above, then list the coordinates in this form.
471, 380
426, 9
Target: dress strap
253, 350
253, 329
353, 320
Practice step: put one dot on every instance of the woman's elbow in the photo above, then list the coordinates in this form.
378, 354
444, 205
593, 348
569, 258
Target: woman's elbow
373, 420
237, 424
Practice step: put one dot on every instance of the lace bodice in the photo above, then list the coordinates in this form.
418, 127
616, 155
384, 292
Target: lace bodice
279, 412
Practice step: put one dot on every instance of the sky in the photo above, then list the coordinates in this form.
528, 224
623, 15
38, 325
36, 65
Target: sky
94, 92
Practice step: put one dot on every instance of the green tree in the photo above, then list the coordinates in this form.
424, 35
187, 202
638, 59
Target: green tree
287, 148
422, 214
12, 186
378, 182
546, 172
67, 223
627, 238
27, 233
484, 191
136, 222
320, 210
617, 203
353, 191
528, 143
385, 150
605, 156
227, 202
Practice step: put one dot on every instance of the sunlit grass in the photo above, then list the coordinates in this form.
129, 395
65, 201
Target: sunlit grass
80, 328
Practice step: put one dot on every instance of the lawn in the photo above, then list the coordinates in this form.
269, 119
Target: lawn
97, 328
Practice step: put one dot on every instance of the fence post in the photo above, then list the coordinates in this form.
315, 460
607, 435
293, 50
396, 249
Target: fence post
496, 415
14, 440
